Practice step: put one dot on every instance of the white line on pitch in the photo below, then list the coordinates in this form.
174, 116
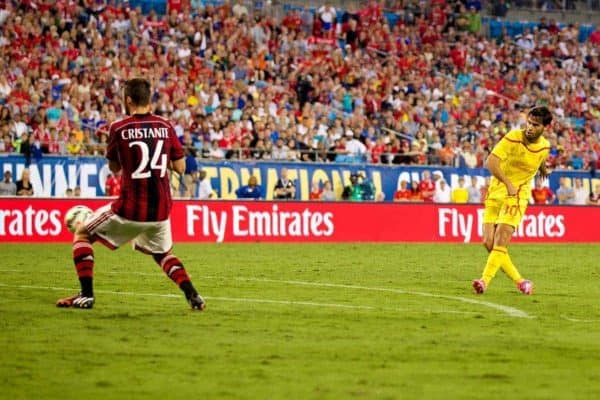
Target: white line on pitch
587, 321
246, 300
511, 311
240, 299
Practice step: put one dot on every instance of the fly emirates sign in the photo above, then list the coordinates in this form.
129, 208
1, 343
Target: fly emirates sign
241, 221
467, 225
40, 220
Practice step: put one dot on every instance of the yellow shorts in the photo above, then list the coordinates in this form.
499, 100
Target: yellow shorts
508, 210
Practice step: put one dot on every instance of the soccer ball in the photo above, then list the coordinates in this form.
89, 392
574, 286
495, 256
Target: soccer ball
77, 215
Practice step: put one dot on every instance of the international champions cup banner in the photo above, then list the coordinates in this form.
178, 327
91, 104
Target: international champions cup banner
39, 220
51, 176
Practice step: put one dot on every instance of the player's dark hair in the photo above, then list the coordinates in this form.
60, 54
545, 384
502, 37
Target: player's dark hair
542, 114
138, 90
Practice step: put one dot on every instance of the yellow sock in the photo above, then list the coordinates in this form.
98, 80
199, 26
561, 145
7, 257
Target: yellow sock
509, 269
494, 262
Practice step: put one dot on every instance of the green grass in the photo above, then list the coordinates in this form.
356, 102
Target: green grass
381, 322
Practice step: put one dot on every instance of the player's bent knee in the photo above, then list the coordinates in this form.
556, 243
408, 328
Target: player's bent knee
503, 235
159, 257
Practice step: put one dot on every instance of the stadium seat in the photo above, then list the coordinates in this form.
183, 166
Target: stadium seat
158, 6
515, 28
496, 29
531, 25
585, 31
392, 18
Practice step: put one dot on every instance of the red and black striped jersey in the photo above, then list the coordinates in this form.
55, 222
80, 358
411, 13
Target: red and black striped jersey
143, 144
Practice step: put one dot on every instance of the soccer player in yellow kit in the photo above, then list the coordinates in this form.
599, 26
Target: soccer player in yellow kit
513, 163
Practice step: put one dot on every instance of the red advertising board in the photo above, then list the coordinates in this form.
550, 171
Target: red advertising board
41, 220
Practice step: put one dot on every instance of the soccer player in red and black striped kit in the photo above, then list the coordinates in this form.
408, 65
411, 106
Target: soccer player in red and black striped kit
142, 146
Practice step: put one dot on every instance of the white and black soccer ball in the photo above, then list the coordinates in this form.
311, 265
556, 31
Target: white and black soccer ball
77, 215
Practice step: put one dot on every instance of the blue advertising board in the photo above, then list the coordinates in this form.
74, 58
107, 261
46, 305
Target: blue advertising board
51, 176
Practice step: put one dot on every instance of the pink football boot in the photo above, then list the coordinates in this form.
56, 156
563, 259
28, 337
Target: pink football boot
479, 286
526, 287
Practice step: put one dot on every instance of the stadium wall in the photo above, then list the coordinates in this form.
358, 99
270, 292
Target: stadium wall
51, 176
25, 220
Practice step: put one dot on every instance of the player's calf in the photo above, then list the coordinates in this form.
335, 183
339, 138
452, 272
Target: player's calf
173, 267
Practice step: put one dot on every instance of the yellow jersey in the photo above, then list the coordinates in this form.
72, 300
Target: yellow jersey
460, 195
520, 162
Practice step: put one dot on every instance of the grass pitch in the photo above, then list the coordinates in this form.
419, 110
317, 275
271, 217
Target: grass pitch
302, 322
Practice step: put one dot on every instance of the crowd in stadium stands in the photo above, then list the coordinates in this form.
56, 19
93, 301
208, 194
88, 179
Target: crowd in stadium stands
430, 90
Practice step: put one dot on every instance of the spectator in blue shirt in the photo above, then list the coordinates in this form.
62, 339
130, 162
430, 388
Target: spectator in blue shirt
577, 160
250, 191
54, 113
57, 87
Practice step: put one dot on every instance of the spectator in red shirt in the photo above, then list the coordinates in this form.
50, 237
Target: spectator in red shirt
595, 37
292, 21
175, 6
315, 191
415, 193
403, 194
542, 194
113, 185
427, 187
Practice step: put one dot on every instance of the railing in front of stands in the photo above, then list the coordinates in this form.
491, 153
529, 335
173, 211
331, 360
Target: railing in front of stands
291, 155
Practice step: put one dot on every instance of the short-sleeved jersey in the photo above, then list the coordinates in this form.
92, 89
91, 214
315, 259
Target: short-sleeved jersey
460, 195
542, 195
143, 144
403, 194
426, 185
520, 162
